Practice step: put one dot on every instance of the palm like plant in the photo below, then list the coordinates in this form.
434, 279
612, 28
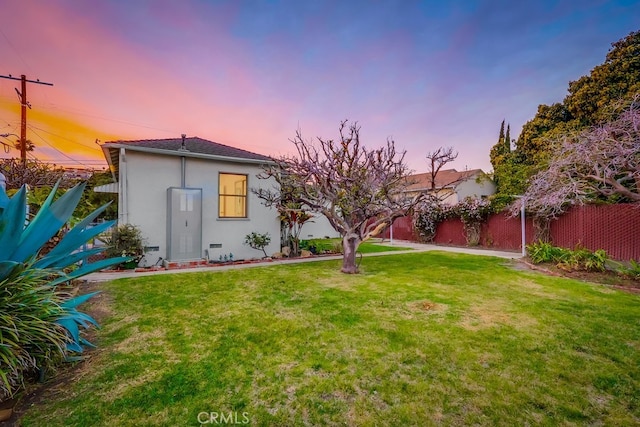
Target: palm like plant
39, 322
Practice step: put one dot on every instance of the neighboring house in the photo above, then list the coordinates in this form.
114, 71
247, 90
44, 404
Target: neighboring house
190, 197
451, 186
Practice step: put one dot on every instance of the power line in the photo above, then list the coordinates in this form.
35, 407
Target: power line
14, 49
92, 146
94, 116
22, 94
54, 107
64, 154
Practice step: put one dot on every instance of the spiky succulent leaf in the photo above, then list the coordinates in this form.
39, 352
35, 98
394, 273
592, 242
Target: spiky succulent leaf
4, 199
8, 268
76, 301
90, 268
63, 261
12, 222
80, 234
47, 222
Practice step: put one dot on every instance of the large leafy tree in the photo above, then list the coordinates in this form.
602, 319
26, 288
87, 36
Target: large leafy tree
592, 97
600, 162
355, 188
591, 100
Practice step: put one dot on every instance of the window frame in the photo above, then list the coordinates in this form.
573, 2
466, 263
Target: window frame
239, 197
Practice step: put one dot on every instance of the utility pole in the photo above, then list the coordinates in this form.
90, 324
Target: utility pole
23, 111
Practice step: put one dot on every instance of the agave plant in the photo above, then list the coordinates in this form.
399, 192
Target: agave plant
39, 322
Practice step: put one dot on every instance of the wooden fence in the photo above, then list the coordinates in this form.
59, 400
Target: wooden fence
614, 228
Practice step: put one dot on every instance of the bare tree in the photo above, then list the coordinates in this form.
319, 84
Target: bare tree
601, 161
437, 159
34, 173
440, 179
356, 189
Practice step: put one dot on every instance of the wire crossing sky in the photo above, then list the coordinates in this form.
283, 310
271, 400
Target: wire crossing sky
250, 73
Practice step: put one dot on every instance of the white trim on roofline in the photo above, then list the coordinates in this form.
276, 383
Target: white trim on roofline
186, 154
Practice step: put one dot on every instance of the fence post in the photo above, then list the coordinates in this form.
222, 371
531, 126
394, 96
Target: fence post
523, 224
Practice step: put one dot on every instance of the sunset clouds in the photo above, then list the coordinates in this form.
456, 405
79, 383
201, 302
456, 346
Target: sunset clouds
249, 73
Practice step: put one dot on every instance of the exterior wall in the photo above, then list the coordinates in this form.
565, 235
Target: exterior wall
468, 188
145, 188
447, 196
471, 188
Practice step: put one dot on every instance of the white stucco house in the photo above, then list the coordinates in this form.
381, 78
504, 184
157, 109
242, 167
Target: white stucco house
452, 186
190, 197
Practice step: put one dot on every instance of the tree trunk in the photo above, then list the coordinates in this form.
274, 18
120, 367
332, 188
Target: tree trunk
350, 243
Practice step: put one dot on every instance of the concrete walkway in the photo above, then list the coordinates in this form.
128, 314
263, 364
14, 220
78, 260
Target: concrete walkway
415, 247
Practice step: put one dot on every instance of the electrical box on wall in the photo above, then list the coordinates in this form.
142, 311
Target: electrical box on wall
184, 223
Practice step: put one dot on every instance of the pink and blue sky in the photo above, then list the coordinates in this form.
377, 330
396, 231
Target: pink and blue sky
249, 73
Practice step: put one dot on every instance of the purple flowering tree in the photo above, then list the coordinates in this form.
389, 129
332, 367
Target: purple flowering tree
355, 188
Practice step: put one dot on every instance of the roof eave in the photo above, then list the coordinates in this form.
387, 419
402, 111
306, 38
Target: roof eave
111, 149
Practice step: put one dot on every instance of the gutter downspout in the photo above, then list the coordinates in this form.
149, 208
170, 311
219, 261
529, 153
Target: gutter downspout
123, 217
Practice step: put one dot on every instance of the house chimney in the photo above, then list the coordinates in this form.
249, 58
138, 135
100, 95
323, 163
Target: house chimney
183, 163
183, 147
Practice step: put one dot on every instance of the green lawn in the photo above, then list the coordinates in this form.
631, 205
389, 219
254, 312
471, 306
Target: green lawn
367, 247
416, 339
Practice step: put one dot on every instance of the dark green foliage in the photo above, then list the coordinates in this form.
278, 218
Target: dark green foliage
577, 259
592, 99
542, 252
309, 245
125, 241
500, 152
632, 270
321, 246
92, 200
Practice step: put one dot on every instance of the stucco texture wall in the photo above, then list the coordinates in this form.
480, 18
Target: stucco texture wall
147, 180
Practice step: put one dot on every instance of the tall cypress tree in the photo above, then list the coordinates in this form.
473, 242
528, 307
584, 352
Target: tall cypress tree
507, 140
496, 154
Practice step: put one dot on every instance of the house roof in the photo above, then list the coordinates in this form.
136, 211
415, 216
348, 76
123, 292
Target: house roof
194, 147
446, 178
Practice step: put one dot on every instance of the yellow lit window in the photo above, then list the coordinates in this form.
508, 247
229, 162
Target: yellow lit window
233, 195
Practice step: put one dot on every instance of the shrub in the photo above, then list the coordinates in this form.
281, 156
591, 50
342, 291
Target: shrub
337, 247
309, 245
126, 241
583, 259
578, 259
541, 252
258, 241
632, 270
